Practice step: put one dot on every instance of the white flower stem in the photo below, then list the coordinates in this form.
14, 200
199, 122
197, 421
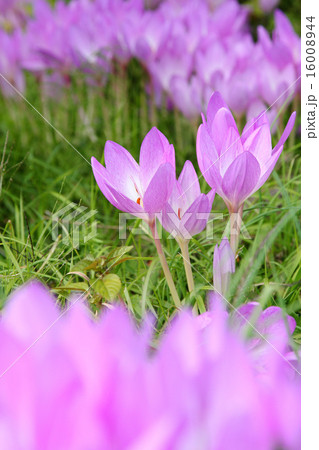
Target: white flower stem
235, 225
183, 243
164, 264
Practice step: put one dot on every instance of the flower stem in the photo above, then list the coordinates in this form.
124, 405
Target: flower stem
164, 264
183, 243
235, 225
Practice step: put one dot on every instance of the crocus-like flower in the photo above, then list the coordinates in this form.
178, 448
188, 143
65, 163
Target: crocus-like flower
62, 387
223, 266
187, 211
142, 188
233, 164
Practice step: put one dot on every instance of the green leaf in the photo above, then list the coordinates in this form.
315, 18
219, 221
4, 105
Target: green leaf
79, 286
82, 266
117, 253
108, 287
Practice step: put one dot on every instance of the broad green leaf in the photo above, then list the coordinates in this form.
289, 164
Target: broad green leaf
108, 287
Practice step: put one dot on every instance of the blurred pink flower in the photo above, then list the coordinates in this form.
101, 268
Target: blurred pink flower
74, 382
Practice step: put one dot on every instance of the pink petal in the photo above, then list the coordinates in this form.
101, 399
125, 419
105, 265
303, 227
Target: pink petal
155, 151
287, 131
259, 144
189, 182
122, 171
232, 148
268, 168
159, 189
208, 158
216, 102
219, 129
240, 179
195, 218
169, 220
30, 312
124, 203
116, 198
253, 124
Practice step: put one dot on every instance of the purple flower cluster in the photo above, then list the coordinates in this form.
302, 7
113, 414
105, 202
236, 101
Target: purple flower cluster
235, 166
189, 48
68, 381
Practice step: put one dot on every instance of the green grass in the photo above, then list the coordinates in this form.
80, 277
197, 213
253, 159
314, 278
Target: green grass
40, 173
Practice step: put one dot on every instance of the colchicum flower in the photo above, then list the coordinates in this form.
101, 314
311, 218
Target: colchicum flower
186, 213
200, 389
223, 267
187, 210
235, 165
139, 189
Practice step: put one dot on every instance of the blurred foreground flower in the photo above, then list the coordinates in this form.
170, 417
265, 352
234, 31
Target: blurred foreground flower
95, 384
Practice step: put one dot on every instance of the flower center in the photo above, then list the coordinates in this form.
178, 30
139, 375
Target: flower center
179, 213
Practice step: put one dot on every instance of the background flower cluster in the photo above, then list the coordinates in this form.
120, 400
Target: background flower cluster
188, 49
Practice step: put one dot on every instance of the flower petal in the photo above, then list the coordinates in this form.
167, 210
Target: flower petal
99, 173
240, 180
259, 144
159, 189
215, 103
232, 148
169, 220
287, 131
195, 218
253, 124
122, 171
208, 158
116, 198
155, 151
219, 129
189, 182
268, 168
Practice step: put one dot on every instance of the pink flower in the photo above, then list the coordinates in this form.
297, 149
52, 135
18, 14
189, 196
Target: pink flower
236, 165
68, 381
187, 210
142, 188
